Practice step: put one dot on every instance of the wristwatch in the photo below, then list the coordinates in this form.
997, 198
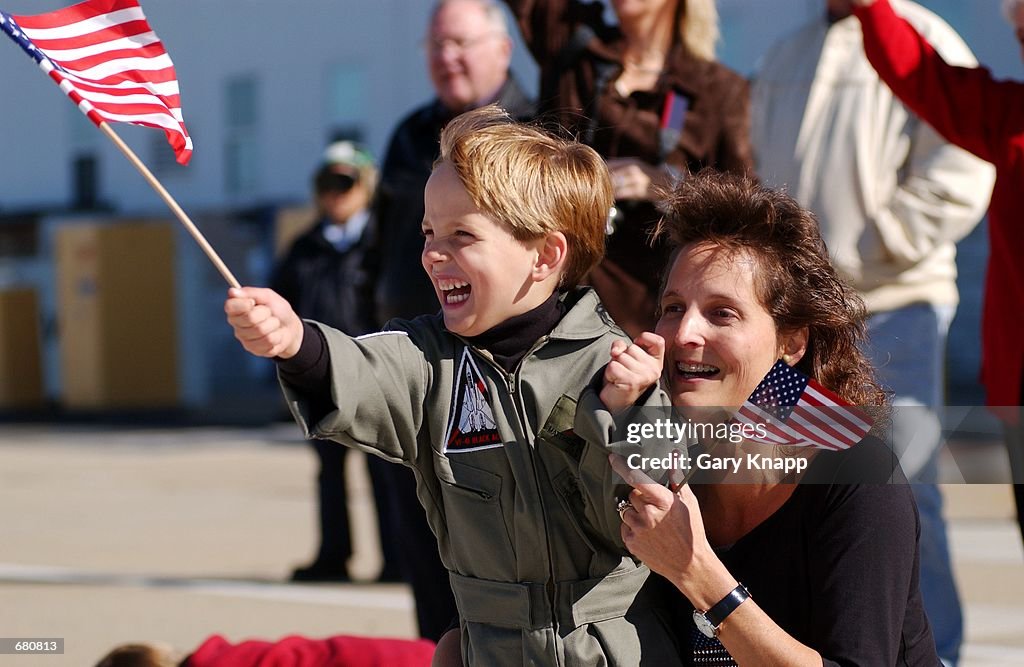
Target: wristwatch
709, 621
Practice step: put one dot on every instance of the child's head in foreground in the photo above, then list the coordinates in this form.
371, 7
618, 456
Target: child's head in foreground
511, 215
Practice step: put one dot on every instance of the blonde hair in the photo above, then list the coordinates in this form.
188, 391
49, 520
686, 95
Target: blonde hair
532, 182
698, 27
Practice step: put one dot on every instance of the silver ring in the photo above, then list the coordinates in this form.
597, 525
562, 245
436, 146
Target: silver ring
622, 506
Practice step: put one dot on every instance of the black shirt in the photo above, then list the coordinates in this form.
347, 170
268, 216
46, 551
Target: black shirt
837, 566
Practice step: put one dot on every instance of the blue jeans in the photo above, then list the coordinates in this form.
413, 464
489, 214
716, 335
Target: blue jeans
907, 347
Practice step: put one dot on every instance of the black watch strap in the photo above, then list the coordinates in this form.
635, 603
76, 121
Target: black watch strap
726, 605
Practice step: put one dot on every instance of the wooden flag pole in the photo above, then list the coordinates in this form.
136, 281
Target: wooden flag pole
169, 200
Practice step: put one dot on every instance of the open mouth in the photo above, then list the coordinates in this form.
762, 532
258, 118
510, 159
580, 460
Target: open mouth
696, 371
454, 291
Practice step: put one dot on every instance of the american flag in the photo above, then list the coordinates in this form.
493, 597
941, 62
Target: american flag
796, 410
104, 55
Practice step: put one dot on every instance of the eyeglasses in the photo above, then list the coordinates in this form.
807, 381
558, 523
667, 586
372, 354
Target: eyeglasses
460, 45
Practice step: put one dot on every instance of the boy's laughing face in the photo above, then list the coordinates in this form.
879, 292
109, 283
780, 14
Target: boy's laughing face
482, 275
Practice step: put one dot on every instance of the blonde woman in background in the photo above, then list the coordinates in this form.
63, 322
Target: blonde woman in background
649, 97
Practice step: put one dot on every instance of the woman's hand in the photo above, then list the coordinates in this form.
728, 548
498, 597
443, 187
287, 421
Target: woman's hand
632, 370
635, 179
264, 322
663, 529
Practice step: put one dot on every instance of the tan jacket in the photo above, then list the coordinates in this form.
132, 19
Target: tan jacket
891, 195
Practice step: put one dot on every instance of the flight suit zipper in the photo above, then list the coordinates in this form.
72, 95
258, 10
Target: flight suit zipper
511, 380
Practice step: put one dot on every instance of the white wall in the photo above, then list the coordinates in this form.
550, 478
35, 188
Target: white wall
291, 47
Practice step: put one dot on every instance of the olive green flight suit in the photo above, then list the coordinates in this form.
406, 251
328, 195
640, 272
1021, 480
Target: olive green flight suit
523, 508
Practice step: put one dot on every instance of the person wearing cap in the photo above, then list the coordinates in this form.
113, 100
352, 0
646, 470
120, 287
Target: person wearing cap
328, 275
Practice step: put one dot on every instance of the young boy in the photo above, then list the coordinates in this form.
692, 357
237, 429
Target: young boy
480, 401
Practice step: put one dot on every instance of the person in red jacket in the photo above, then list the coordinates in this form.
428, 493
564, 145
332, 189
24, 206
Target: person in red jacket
294, 651
985, 116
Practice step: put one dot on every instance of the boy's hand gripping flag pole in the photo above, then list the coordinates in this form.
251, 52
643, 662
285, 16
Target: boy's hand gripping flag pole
106, 58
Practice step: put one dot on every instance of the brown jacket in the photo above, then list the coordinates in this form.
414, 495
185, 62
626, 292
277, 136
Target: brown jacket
580, 56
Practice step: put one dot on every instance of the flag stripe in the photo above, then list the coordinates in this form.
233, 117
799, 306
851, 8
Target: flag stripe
113, 98
106, 58
158, 67
152, 51
793, 409
815, 418
854, 418
65, 52
62, 24
119, 100
831, 418
783, 431
813, 432
776, 433
123, 86
135, 95
128, 30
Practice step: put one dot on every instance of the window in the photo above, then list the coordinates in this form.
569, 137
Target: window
346, 100
85, 182
241, 134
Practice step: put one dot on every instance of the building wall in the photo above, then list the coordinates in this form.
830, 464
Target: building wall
317, 66
300, 57
312, 68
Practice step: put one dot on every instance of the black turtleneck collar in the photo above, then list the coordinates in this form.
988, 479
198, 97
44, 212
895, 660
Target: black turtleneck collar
509, 341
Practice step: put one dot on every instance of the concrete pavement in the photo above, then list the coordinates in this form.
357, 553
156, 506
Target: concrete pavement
128, 534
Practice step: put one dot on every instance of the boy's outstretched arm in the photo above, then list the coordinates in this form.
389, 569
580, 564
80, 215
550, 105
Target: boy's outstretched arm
264, 322
633, 369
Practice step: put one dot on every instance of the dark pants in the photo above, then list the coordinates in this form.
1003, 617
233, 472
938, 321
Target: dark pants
384, 499
335, 532
419, 559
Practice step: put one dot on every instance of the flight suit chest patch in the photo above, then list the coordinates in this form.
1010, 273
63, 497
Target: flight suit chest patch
471, 425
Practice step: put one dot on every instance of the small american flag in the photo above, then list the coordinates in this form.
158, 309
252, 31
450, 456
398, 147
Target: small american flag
796, 410
106, 58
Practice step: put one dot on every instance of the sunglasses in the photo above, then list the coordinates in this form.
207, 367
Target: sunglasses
340, 183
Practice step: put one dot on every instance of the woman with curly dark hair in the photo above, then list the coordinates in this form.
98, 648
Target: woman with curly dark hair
829, 566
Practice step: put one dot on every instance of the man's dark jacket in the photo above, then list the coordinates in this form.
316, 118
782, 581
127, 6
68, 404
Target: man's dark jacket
403, 289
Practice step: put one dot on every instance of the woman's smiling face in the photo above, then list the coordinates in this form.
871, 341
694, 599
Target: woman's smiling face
720, 340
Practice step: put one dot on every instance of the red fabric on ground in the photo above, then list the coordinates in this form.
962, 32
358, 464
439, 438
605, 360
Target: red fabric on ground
297, 651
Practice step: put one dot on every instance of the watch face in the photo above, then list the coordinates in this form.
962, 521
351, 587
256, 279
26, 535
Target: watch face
704, 625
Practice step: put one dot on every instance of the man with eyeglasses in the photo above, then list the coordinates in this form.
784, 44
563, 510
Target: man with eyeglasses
468, 51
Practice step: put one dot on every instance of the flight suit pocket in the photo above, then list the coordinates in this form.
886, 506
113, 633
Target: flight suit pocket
557, 430
473, 482
579, 474
481, 544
